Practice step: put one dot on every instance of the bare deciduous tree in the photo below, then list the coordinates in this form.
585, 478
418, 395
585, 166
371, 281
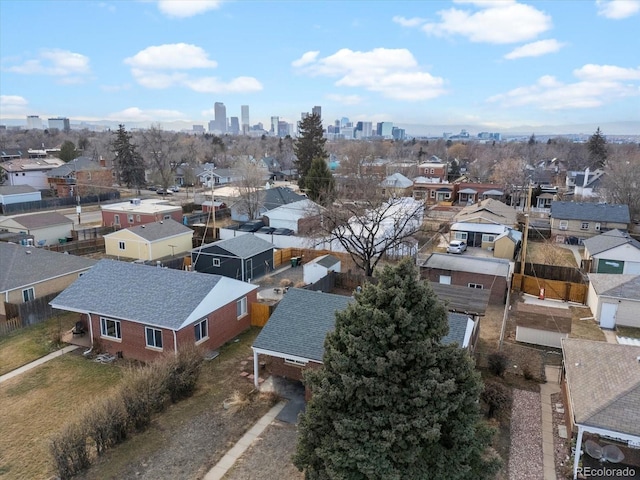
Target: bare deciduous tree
161, 152
251, 188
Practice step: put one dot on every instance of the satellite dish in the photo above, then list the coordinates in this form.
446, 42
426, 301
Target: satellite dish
611, 453
593, 449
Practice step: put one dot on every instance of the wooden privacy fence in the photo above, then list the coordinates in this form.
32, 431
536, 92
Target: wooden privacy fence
555, 289
260, 313
80, 247
552, 272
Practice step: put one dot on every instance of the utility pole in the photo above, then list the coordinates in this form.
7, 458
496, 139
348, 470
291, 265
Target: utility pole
523, 256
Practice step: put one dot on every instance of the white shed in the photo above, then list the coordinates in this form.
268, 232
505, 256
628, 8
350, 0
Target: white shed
614, 299
18, 194
319, 268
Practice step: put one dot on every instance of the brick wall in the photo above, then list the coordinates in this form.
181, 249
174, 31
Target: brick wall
223, 326
497, 285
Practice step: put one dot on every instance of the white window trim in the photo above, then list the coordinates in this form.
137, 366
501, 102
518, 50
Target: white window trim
146, 338
32, 295
215, 262
476, 285
103, 329
295, 363
206, 337
460, 235
488, 237
584, 225
563, 225
244, 308
121, 245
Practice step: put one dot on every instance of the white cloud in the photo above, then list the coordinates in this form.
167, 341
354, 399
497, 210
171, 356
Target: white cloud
135, 114
305, 59
165, 66
617, 9
11, 105
187, 8
495, 22
394, 73
409, 22
55, 62
345, 99
535, 49
175, 56
597, 86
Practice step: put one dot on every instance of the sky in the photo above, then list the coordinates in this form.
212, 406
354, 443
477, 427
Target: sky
490, 64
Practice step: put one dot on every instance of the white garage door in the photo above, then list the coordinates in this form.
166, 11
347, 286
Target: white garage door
632, 268
608, 315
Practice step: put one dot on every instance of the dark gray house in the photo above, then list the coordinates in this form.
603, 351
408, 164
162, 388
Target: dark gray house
245, 257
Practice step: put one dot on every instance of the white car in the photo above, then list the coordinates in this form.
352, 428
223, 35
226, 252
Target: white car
175, 188
457, 246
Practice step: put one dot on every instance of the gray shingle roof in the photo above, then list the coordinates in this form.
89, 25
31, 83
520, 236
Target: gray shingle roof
462, 299
76, 165
608, 240
20, 269
159, 230
243, 246
276, 197
467, 263
16, 189
604, 384
42, 220
594, 212
149, 295
301, 322
457, 329
624, 286
326, 261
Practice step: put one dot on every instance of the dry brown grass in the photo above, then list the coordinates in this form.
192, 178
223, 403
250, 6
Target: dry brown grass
585, 329
627, 331
27, 344
39, 402
550, 254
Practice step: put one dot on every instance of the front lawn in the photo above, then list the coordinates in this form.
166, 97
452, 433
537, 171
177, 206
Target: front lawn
28, 344
547, 253
40, 402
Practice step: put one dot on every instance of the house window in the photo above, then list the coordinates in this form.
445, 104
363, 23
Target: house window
447, 195
460, 235
597, 227
154, 337
433, 194
215, 262
167, 217
130, 218
563, 224
201, 330
116, 219
121, 245
475, 285
137, 218
297, 363
488, 238
584, 226
241, 307
110, 328
28, 294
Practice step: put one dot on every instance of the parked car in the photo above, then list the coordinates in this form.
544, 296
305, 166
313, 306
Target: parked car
266, 230
153, 188
457, 246
174, 188
162, 191
283, 231
251, 226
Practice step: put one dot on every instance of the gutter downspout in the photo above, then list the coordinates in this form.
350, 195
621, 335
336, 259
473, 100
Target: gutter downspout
175, 343
255, 369
87, 352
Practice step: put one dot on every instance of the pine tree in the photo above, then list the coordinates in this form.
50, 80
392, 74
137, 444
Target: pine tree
392, 402
319, 182
597, 146
68, 151
308, 146
128, 162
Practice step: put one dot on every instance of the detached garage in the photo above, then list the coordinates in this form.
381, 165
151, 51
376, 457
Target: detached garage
614, 299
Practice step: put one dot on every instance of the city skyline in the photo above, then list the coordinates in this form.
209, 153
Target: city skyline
469, 62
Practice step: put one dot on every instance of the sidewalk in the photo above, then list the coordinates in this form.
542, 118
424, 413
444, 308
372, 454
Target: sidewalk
226, 462
35, 363
552, 375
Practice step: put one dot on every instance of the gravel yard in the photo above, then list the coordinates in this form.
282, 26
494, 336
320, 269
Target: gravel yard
560, 445
525, 456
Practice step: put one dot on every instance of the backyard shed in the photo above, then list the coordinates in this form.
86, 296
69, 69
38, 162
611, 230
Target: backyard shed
614, 299
540, 325
320, 267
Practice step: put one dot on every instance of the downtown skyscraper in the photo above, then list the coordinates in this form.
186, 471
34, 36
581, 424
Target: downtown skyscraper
220, 117
244, 119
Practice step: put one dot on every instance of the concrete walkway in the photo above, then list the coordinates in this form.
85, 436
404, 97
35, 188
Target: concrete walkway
610, 336
226, 462
35, 363
552, 386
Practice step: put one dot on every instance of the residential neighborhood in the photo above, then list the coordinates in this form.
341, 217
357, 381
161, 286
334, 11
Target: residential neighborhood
268, 275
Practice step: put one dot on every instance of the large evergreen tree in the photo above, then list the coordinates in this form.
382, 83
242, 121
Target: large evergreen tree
308, 146
597, 146
319, 182
392, 402
128, 162
68, 151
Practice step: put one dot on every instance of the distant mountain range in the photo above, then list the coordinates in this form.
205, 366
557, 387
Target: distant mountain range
616, 129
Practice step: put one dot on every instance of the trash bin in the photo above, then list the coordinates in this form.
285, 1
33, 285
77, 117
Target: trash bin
294, 261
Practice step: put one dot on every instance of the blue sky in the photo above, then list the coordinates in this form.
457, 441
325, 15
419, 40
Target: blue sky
495, 64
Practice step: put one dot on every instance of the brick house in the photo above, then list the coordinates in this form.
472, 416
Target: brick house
81, 176
493, 274
142, 312
434, 168
139, 212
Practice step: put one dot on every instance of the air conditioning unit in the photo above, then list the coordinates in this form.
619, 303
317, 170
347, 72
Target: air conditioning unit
563, 227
